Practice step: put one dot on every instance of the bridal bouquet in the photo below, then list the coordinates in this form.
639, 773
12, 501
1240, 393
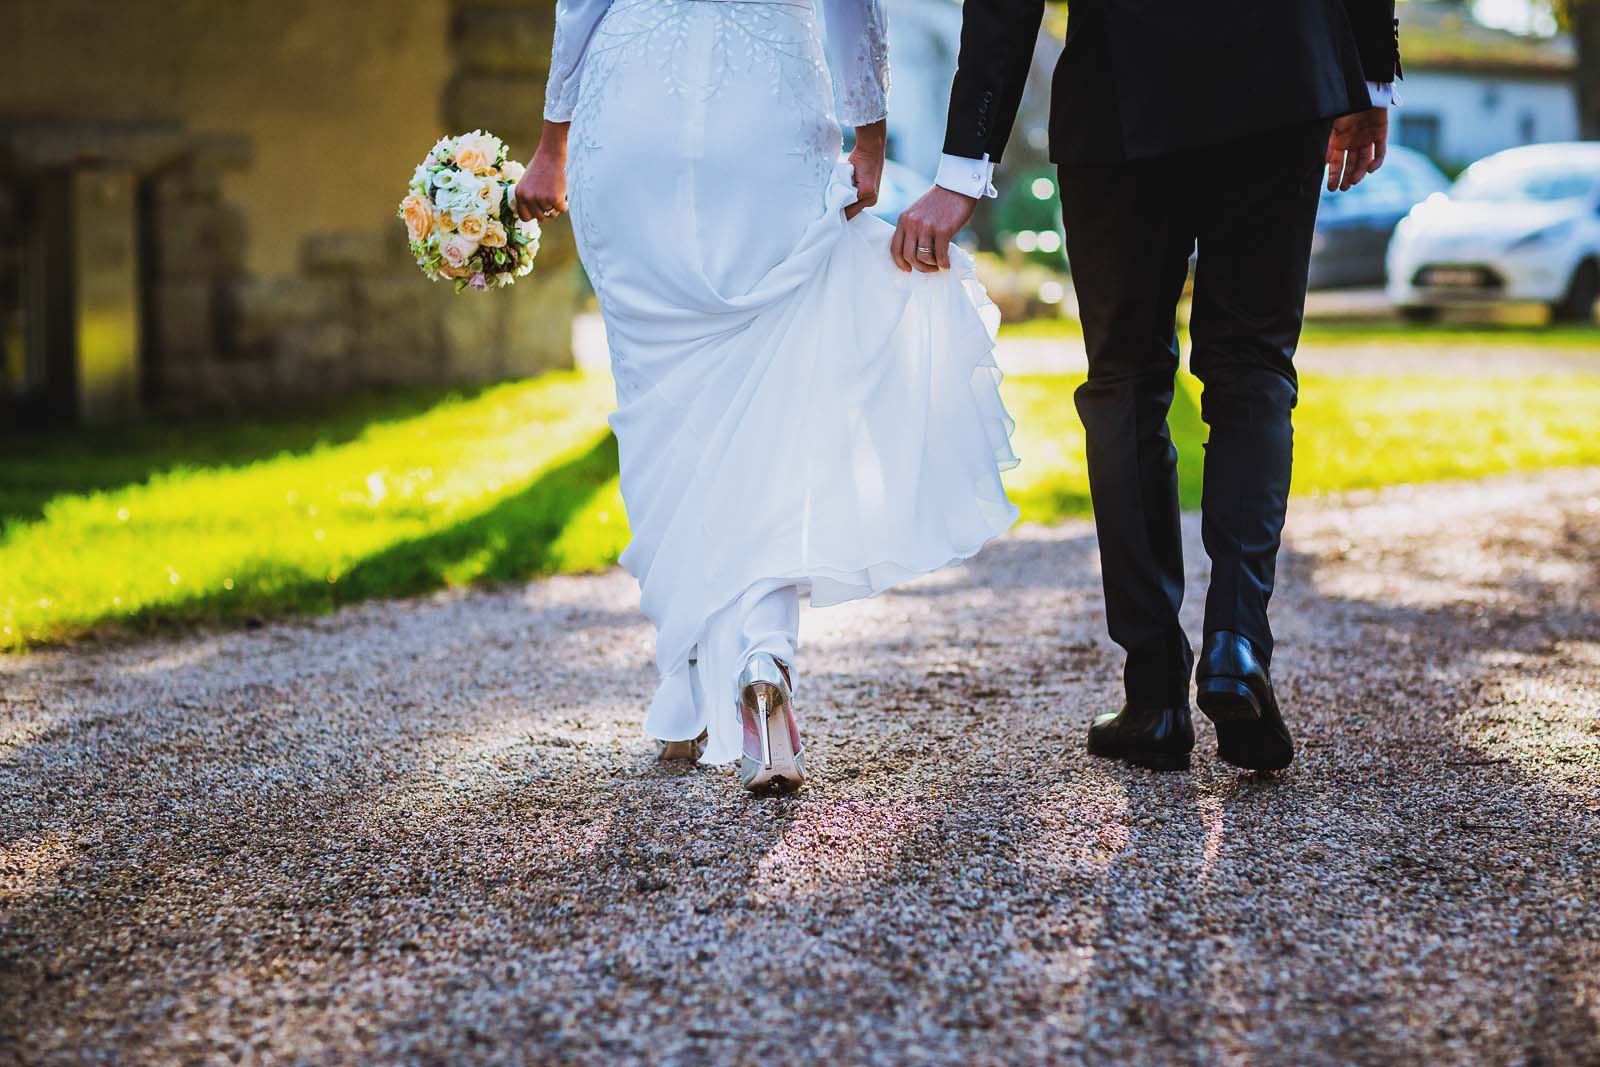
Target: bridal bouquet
461, 214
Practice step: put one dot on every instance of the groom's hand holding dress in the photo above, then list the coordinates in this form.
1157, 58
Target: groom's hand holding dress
1148, 98
923, 233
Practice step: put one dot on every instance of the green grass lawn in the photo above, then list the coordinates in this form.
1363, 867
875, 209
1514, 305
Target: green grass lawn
141, 527
1351, 432
1334, 331
234, 520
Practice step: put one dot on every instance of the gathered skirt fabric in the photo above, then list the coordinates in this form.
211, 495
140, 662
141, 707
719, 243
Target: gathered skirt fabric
791, 408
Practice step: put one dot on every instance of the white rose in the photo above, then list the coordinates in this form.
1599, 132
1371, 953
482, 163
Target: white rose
462, 199
513, 171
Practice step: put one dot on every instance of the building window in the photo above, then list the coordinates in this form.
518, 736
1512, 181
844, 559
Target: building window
1491, 97
1528, 127
1421, 131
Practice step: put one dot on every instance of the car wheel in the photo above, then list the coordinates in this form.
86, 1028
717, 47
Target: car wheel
1419, 313
1584, 290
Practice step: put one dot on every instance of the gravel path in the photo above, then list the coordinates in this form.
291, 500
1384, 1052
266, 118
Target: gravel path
429, 831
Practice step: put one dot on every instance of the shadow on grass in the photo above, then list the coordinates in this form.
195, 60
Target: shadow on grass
513, 539
37, 466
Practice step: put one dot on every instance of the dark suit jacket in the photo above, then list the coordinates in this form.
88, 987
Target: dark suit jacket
1141, 78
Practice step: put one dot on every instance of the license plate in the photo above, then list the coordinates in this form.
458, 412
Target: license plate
1453, 276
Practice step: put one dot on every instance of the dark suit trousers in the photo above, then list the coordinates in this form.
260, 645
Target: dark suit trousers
1248, 208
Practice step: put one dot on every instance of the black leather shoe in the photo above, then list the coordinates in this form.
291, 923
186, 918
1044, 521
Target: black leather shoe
1156, 738
1235, 692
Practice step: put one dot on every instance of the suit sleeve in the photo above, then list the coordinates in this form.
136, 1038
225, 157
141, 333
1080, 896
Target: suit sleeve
1377, 36
997, 41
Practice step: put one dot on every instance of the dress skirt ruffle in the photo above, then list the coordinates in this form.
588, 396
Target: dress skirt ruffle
792, 408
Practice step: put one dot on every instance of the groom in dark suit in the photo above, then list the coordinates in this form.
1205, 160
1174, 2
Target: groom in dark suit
1180, 126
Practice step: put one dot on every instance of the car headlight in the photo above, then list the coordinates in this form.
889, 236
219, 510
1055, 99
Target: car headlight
1548, 235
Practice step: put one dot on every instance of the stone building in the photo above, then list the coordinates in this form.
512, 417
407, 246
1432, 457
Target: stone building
197, 200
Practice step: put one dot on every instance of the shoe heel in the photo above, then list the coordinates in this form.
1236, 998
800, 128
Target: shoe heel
766, 701
674, 751
1227, 700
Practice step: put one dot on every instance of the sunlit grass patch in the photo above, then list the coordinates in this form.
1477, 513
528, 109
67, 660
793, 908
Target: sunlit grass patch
229, 520
1351, 432
222, 520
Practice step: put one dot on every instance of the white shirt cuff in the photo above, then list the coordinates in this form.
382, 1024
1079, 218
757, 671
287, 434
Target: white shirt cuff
1383, 94
969, 177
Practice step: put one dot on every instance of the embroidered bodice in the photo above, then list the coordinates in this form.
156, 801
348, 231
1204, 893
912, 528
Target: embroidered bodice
855, 39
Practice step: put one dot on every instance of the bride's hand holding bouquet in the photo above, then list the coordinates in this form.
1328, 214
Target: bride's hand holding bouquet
541, 192
461, 216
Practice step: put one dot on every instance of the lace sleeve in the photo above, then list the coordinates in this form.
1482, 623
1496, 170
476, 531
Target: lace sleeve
575, 23
858, 58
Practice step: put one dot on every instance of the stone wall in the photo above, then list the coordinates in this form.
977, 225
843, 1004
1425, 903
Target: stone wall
274, 267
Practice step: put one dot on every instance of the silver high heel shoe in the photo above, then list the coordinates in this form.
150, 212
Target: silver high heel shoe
766, 706
668, 751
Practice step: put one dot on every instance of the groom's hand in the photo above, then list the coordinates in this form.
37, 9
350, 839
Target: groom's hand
1356, 146
923, 234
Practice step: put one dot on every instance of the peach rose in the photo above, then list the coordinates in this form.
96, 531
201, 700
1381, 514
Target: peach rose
463, 271
418, 215
455, 251
445, 222
473, 153
473, 226
489, 192
494, 235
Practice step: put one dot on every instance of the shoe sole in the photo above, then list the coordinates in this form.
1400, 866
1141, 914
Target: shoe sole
1248, 736
787, 771
672, 751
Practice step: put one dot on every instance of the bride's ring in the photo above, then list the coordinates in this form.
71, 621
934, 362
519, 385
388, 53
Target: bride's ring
921, 251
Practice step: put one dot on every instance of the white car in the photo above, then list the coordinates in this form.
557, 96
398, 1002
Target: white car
1520, 225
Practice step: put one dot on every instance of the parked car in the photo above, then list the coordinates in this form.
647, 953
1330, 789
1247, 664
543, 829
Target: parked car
1354, 227
1520, 225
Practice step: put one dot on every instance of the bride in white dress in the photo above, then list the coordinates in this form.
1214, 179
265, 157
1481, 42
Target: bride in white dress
794, 414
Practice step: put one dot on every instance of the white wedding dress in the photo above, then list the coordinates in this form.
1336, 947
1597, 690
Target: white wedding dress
793, 412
